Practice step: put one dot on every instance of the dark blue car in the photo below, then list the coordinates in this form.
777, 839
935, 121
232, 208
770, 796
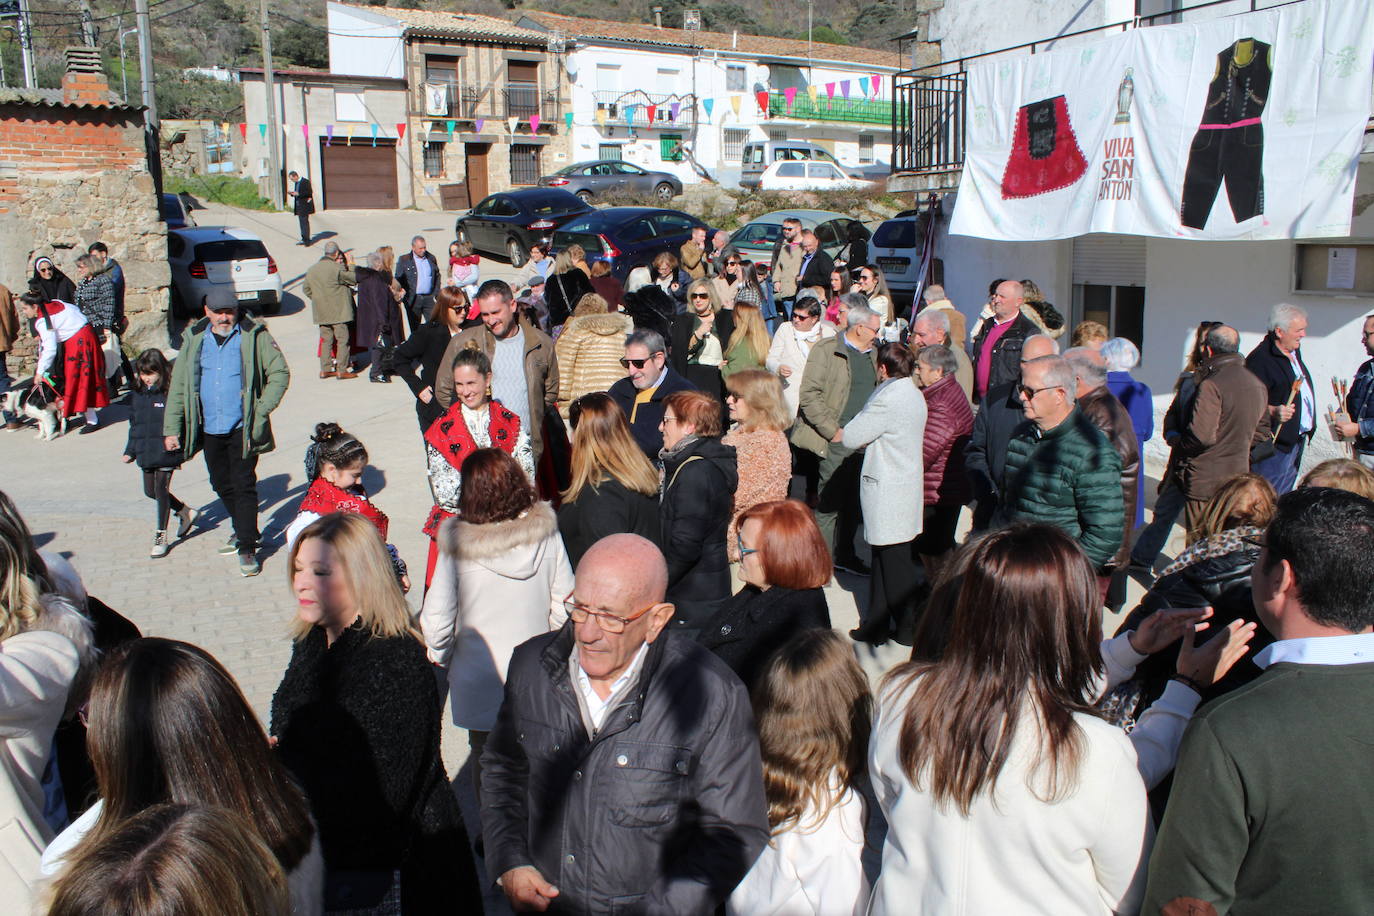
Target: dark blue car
510, 222
626, 237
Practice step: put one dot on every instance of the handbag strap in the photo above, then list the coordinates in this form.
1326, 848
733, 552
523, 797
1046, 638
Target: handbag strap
679, 471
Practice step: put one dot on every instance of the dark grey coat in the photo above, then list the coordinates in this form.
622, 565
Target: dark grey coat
661, 811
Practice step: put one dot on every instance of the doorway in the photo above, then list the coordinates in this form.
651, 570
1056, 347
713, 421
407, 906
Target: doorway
475, 157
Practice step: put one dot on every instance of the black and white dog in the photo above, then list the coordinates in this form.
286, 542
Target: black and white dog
38, 402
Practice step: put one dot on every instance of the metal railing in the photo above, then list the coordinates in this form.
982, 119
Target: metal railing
617, 104
853, 111
929, 120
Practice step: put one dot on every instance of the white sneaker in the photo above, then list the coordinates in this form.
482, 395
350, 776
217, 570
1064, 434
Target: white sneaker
159, 545
188, 518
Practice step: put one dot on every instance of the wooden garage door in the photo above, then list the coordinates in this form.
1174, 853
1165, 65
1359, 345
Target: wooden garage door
359, 176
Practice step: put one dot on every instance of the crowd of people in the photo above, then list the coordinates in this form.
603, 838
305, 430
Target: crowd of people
640, 493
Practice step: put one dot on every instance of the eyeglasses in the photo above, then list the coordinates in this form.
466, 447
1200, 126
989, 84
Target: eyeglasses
45, 270
609, 623
1028, 392
732, 263
799, 316
701, 295
637, 363
669, 418
743, 551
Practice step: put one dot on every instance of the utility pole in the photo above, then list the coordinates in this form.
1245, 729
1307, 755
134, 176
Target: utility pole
274, 176
26, 46
88, 34
151, 139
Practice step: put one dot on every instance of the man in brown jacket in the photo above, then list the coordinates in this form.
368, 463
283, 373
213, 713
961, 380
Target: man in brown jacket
510, 342
1227, 416
1109, 415
9, 331
692, 254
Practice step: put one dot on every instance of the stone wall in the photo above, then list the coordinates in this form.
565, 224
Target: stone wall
71, 173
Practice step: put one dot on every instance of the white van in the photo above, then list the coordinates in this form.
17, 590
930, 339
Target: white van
760, 154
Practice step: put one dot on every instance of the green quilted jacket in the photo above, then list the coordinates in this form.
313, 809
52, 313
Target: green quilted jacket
1069, 476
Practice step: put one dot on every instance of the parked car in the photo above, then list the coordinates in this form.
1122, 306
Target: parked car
508, 223
604, 176
896, 248
204, 259
173, 211
808, 176
756, 239
760, 154
625, 237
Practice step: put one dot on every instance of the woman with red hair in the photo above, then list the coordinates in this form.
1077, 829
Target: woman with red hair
785, 564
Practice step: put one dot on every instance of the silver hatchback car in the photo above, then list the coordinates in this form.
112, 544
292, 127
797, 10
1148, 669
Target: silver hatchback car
224, 260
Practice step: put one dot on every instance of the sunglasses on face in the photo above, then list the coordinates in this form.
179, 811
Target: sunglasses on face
701, 295
1028, 392
798, 316
637, 363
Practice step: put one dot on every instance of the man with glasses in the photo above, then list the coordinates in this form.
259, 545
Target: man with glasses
932, 329
1060, 469
1359, 403
623, 769
840, 375
785, 264
229, 378
647, 383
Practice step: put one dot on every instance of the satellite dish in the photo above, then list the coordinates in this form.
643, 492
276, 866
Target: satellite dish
570, 64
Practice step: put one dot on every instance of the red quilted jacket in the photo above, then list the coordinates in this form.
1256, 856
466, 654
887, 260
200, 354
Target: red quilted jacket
949, 423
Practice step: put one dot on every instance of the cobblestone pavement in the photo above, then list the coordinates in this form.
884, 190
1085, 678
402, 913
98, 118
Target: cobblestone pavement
82, 502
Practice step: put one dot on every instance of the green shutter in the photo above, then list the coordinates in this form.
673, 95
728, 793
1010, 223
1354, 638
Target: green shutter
669, 147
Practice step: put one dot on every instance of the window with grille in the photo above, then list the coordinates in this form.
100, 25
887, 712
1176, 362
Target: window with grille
608, 151
865, 147
670, 147
734, 144
434, 160
735, 78
524, 163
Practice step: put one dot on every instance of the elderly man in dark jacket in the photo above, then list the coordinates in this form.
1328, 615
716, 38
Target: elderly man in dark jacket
1278, 363
1001, 412
623, 773
997, 345
1060, 469
1111, 417
417, 272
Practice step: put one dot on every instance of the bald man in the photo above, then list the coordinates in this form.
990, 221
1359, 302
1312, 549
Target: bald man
997, 348
1002, 411
623, 770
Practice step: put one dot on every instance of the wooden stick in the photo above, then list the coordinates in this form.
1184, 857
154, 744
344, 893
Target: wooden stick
1297, 386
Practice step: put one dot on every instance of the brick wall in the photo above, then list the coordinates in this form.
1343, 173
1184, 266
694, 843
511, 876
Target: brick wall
62, 139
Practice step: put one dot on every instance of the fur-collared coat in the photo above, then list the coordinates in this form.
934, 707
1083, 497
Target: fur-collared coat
495, 586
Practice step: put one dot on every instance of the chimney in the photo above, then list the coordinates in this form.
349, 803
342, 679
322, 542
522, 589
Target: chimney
658, 17
83, 83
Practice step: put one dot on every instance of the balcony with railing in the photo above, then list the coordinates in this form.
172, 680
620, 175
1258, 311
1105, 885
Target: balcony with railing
636, 103
490, 103
852, 111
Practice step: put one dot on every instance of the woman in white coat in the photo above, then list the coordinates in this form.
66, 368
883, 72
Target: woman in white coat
792, 345
891, 428
501, 579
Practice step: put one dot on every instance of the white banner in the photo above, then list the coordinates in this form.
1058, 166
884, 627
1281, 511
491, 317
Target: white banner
1246, 127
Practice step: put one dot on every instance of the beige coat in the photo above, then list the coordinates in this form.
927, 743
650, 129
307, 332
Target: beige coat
692, 259
589, 352
329, 286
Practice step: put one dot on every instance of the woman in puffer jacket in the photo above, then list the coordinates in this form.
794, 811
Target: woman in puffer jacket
589, 350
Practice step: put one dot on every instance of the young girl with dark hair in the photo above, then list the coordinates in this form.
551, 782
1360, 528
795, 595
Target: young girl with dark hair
146, 446
814, 712
334, 465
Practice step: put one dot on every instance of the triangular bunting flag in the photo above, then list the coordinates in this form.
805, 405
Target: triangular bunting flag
790, 94
262, 131
567, 120
374, 134
305, 132
829, 90
401, 131
708, 104
876, 82
630, 114
534, 124
762, 98
329, 135
449, 125
243, 131
674, 110
863, 85
844, 88
811, 91
479, 124
649, 111
224, 128
734, 103
510, 124
348, 135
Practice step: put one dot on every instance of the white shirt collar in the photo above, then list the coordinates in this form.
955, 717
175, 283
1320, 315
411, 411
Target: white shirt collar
1355, 649
597, 708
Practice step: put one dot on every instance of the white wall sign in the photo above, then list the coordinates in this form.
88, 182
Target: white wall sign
1245, 127
1340, 269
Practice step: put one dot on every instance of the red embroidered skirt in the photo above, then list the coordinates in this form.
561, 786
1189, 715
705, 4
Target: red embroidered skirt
1044, 151
83, 374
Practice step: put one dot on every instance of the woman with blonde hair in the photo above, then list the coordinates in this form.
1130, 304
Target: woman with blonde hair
1342, 474
760, 420
187, 859
1090, 334
872, 282
747, 346
669, 277
1038, 309
568, 281
699, 335
357, 722
169, 725
814, 713
589, 350
614, 487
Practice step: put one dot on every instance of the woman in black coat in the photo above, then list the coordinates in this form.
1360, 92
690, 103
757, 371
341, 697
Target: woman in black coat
562, 292
417, 360
614, 487
699, 337
699, 480
785, 564
357, 722
51, 283
379, 315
